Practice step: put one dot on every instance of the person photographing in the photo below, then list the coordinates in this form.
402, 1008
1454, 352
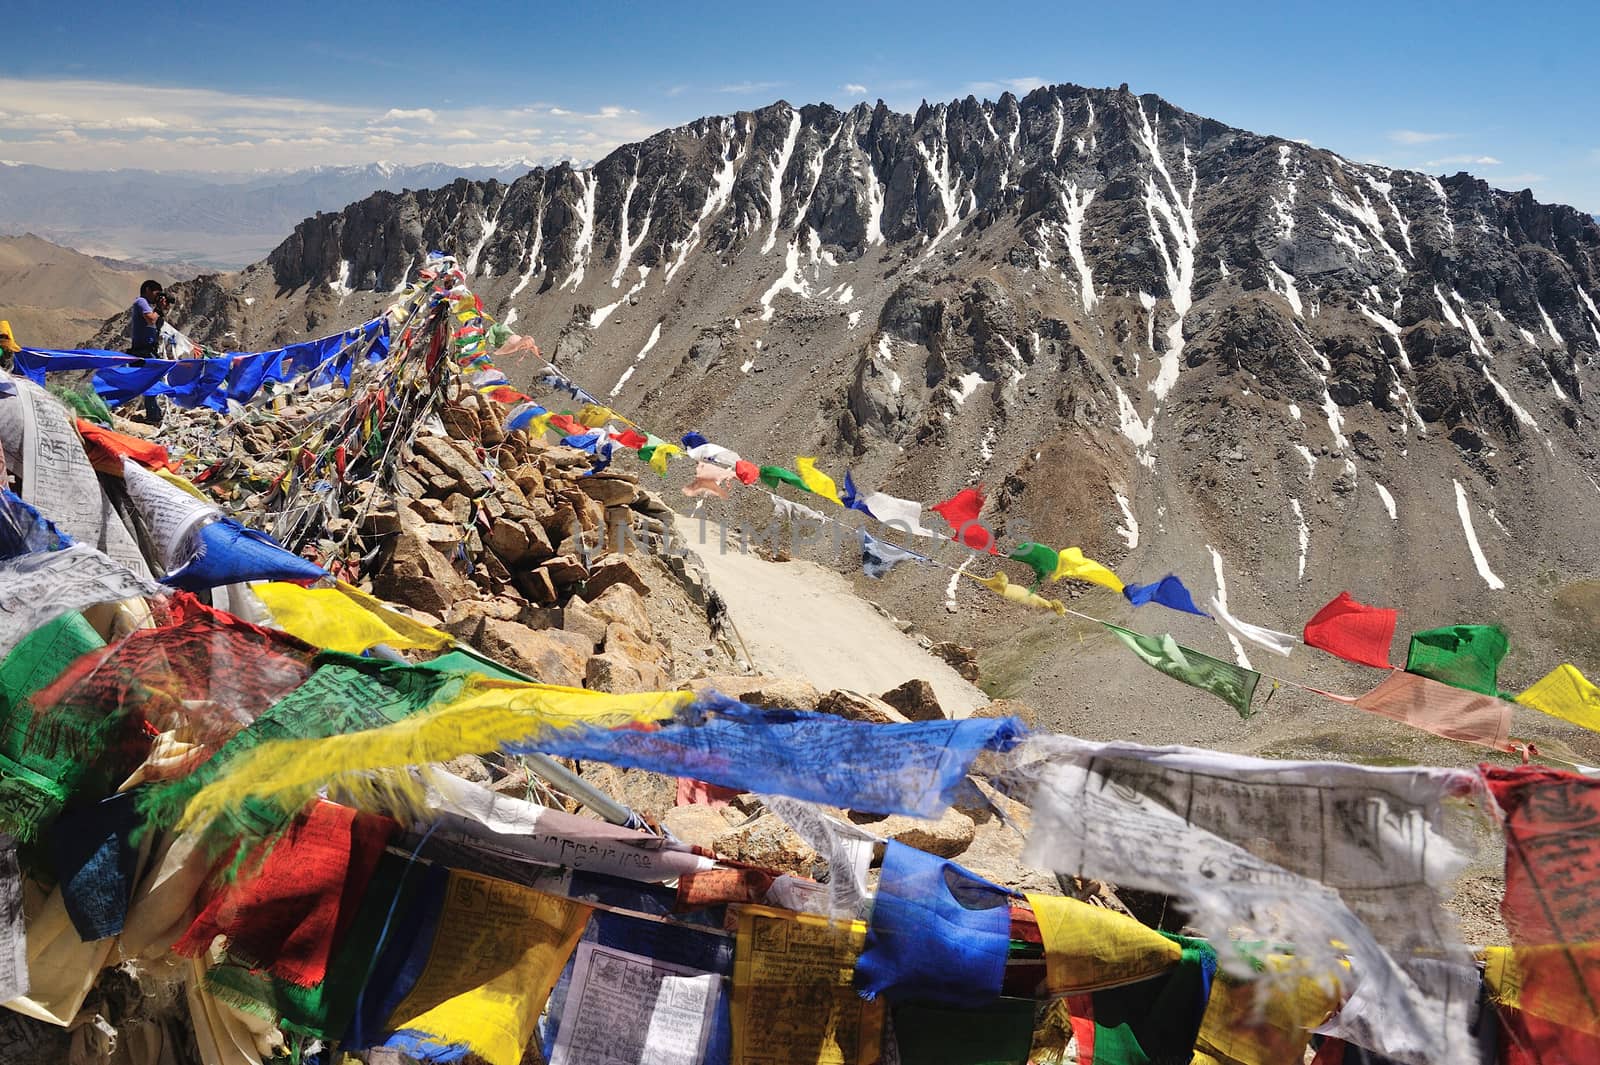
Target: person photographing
146, 316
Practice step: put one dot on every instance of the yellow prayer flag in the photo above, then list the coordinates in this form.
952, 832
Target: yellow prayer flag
497, 953
1537, 980
794, 999
1000, 585
1087, 948
1071, 563
1239, 1029
181, 483
594, 416
331, 618
816, 482
369, 769
8, 339
658, 457
1568, 694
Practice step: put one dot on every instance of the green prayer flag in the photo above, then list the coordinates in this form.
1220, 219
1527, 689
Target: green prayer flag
1462, 656
347, 693
998, 1033
1039, 558
324, 1011
1233, 684
772, 476
34, 785
1156, 1020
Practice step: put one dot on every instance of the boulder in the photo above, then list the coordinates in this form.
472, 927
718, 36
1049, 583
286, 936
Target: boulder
418, 574
509, 541
697, 825
536, 585
577, 617
964, 660
946, 837
609, 490
771, 844
548, 655
619, 673
466, 475
858, 707
916, 700
565, 570
998, 708
623, 604
611, 571
785, 693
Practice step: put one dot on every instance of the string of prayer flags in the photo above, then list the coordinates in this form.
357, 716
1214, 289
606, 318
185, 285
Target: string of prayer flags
1566, 693
1551, 820
938, 933
1154, 1020
286, 913
773, 476
998, 1033
1168, 591
1462, 656
333, 620
709, 480
776, 953
1233, 684
496, 953
913, 768
1354, 631
1000, 585
1279, 643
878, 557
815, 481
1071, 563
1440, 709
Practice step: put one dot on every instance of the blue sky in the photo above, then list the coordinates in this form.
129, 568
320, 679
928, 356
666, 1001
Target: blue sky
1508, 92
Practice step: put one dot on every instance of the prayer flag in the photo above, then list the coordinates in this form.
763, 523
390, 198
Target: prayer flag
1279, 643
692, 440
849, 498
1565, 693
902, 514
913, 768
962, 508
107, 448
1233, 684
776, 954
95, 863
1153, 1020
595, 416
878, 557
1354, 631
1087, 948
1439, 709
496, 953
747, 472
938, 933
631, 438
1000, 1033
658, 457
228, 553
23, 530
287, 914
773, 476
1001, 585
709, 480
329, 618
1462, 656
1551, 820
1039, 558
1072, 564
815, 481
1266, 1021
1168, 591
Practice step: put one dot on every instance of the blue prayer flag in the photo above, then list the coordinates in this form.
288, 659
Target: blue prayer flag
1168, 591
938, 932
914, 768
693, 439
23, 530
230, 553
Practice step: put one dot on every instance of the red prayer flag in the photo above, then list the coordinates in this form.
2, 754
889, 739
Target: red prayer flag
288, 915
567, 424
1354, 631
107, 448
747, 472
1526, 1039
961, 512
1551, 904
631, 438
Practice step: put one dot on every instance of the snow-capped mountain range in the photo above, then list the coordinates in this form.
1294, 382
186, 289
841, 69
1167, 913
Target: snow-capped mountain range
1185, 346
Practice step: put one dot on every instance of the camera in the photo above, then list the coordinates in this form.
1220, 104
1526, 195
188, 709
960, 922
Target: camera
163, 303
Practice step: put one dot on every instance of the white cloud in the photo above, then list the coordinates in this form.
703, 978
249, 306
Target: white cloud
76, 124
852, 89
1016, 86
748, 88
1412, 136
1462, 160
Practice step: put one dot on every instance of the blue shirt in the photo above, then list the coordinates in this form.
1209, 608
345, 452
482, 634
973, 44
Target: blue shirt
145, 335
